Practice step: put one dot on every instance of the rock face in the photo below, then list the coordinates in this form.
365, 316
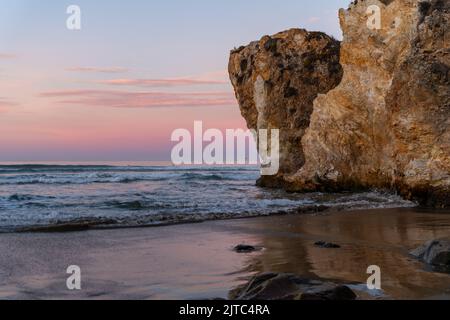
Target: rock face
276, 81
435, 253
273, 286
387, 123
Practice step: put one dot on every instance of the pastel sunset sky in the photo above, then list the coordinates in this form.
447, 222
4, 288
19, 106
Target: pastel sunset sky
116, 89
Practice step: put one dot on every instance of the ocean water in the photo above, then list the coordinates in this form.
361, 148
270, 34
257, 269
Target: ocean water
136, 194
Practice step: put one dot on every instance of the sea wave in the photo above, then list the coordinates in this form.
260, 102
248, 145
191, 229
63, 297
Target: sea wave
16, 197
138, 205
157, 220
77, 197
61, 175
86, 223
8, 169
139, 213
83, 179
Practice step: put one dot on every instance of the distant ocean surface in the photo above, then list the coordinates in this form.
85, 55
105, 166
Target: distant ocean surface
143, 194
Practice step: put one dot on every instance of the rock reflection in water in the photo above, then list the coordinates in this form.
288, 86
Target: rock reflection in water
377, 237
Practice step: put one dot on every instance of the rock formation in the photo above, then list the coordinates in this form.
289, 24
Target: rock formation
435, 253
385, 125
274, 286
276, 81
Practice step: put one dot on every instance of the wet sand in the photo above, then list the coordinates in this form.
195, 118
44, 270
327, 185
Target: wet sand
196, 261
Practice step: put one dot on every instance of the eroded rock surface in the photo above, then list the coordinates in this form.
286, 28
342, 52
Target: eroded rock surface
387, 123
276, 81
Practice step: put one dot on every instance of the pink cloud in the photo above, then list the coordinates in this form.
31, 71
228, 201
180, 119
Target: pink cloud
98, 69
128, 99
162, 82
5, 104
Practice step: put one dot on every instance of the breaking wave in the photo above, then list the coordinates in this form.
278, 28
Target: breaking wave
62, 198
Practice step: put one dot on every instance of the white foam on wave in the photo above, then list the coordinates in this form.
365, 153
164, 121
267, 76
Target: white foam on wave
152, 196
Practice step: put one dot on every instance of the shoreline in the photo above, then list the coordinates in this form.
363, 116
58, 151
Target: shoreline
197, 261
86, 224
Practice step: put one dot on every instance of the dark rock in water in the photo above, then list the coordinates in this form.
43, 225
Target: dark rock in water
242, 248
273, 286
435, 253
327, 245
336, 293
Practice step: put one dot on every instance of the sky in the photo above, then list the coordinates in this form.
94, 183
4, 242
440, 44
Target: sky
137, 70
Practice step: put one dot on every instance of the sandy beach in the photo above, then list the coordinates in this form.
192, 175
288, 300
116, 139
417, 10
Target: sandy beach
197, 261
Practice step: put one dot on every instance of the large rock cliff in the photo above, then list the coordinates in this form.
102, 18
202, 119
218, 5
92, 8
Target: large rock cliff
277, 80
386, 124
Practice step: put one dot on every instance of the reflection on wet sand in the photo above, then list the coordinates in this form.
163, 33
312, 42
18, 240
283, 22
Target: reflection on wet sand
197, 261
377, 237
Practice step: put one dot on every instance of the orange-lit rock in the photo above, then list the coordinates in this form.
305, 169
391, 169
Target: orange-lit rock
387, 124
276, 81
